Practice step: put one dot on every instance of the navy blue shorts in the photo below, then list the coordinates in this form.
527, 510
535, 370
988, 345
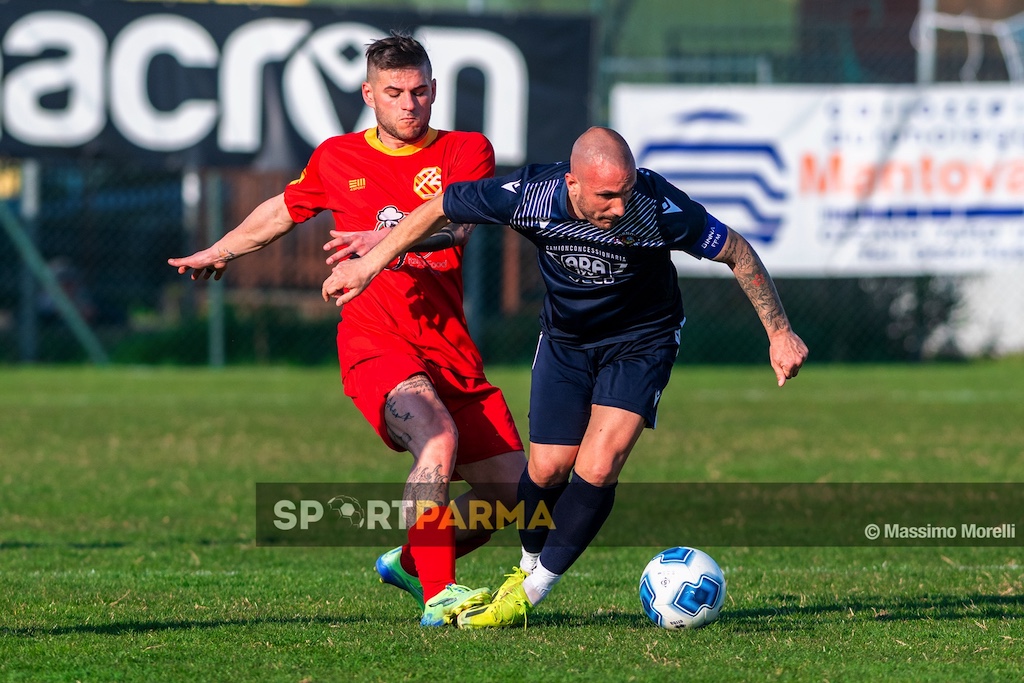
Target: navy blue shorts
567, 380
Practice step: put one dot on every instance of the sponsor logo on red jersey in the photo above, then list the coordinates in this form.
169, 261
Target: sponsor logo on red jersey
389, 216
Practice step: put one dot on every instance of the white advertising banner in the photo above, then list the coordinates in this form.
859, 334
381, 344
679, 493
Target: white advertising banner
843, 180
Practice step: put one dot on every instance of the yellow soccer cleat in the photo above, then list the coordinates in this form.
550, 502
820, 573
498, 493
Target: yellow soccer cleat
444, 607
512, 581
510, 610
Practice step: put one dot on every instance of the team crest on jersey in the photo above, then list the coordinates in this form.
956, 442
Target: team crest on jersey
627, 239
427, 182
590, 269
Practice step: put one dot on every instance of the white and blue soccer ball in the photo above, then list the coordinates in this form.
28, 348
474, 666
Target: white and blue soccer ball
682, 588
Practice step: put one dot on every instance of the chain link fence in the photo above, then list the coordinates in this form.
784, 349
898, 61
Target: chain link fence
104, 233
95, 235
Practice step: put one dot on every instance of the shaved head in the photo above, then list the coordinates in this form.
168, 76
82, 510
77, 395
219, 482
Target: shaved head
601, 177
601, 147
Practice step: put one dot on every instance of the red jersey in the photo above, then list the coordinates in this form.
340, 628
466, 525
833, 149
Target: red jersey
415, 306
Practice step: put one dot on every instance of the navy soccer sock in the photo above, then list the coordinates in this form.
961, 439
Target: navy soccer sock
578, 516
532, 496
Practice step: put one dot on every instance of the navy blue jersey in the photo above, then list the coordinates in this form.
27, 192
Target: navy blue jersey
603, 285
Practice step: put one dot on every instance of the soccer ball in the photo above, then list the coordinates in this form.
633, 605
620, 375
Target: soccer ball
682, 588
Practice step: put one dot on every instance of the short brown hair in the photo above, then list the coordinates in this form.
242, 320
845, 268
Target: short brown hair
397, 51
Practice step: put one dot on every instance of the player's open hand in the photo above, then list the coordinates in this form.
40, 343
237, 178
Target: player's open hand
787, 354
347, 280
352, 244
203, 264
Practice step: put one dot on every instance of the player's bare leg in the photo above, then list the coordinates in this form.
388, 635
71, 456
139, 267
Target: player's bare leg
417, 420
578, 515
588, 498
607, 443
494, 483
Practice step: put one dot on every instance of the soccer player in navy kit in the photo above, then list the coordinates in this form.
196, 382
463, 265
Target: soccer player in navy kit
604, 231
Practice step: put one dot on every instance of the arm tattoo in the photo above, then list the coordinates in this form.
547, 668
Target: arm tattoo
226, 255
756, 283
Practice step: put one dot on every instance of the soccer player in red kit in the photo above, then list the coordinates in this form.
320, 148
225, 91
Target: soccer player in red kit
406, 357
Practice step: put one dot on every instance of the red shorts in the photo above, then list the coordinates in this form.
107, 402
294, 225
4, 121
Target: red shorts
478, 408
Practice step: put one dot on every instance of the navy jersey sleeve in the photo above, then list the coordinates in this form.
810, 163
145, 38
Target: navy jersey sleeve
492, 200
685, 224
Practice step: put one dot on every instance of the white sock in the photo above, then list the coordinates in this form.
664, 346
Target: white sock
529, 561
539, 583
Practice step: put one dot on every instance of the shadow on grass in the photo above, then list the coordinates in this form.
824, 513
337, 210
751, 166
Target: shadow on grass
122, 628
610, 618
891, 608
897, 609
30, 545
786, 617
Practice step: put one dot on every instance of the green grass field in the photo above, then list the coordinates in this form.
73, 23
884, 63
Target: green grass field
127, 535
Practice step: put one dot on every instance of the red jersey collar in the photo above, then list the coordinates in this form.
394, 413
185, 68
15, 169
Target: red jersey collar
371, 139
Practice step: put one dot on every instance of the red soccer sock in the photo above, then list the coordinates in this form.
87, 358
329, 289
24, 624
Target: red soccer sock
408, 564
432, 546
462, 548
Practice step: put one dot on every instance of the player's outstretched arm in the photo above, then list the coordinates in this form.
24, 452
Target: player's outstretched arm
357, 244
267, 222
787, 352
351, 277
